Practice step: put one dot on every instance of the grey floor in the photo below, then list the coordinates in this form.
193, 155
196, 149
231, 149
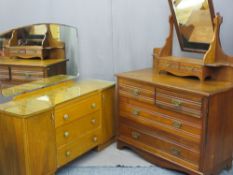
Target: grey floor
110, 157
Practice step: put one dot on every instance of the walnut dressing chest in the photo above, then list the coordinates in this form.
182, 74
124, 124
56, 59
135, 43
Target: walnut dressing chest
178, 123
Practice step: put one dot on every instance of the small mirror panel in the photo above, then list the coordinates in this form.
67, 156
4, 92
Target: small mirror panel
194, 23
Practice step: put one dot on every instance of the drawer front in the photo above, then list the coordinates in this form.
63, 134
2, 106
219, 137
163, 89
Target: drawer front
25, 52
4, 73
137, 91
179, 127
77, 128
26, 73
77, 148
159, 146
180, 102
77, 108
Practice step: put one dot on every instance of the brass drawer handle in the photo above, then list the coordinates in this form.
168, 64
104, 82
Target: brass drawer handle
175, 152
68, 153
93, 121
177, 124
66, 134
93, 105
95, 139
176, 102
135, 135
66, 117
135, 112
136, 92
27, 75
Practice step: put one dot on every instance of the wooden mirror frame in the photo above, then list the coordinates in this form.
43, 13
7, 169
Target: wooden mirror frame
182, 46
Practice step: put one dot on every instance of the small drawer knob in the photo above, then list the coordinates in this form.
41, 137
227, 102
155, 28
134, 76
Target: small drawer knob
175, 152
68, 153
135, 112
136, 92
66, 117
176, 102
135, 135
95, 139
93, 105
93, 121
66, 134
177, 124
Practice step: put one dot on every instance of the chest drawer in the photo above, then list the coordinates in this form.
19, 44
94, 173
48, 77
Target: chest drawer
183, 129
4, 73
78, 147
149, 140
26, 73
137, 91
180, 102
74, 109
73, 130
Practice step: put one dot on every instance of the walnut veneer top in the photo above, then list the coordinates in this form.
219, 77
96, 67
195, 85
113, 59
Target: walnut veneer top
40, 100
207, 88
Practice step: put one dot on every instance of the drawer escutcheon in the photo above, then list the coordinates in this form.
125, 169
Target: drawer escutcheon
136, 92
177, 124
135, 135
176, 102
175, 152
135, 112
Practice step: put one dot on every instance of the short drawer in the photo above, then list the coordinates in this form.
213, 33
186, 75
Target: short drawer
154, 119
80, 146
4, 73
26, 73
180, 102
135, 90
74, 109
77, 128
160, 146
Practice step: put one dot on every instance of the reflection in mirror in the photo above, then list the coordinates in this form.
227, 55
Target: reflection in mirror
194, 25
35, 52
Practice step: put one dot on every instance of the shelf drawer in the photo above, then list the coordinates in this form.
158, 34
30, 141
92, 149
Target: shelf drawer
80, 146
26, 73
73, 130
160, 146
137, 91
4, 73
77, 108
179, 127
180, 102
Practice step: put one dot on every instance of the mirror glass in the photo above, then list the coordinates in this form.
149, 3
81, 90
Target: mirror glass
34, 52
194, 23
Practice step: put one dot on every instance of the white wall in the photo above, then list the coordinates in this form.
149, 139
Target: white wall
114, 35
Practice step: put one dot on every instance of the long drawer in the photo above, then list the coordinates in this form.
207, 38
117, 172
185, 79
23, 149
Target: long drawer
137, 91
4, 73
182, 126
77, 128
74, 109
163, 147
78, 147
26, 73
180, 102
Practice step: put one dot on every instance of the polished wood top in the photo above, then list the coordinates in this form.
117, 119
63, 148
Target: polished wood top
150, 76
41, 100
6, 61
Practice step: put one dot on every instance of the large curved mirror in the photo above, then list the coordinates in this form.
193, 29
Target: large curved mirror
33, 53
194, 23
